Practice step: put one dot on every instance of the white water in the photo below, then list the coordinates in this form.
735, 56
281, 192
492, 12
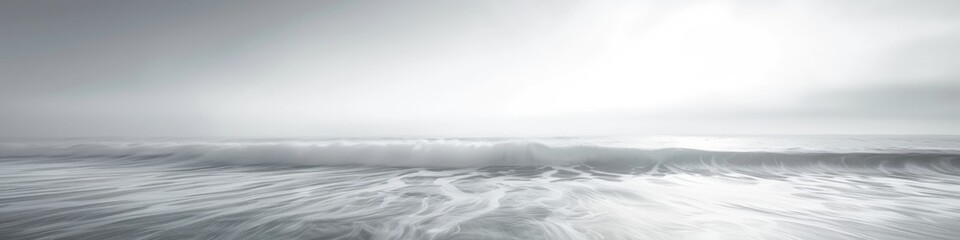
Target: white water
815, 187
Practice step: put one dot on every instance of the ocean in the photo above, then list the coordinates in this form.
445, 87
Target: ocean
646, 187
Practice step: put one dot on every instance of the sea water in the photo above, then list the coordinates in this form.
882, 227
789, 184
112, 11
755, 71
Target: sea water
651, 187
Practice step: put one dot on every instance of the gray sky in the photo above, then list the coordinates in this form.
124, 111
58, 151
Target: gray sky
477, 68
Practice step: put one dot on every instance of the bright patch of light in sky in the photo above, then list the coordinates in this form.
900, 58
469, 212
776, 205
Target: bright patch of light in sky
482, 68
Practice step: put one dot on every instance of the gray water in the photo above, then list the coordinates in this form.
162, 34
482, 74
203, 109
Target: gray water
661, 187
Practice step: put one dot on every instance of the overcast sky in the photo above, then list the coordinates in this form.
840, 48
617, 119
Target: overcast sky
477, 68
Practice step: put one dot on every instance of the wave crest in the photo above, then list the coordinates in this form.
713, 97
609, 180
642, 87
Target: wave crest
460, 154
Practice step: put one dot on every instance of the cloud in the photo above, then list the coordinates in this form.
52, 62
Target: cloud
347, 68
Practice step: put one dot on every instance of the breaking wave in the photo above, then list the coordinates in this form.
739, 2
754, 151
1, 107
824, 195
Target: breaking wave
456, 153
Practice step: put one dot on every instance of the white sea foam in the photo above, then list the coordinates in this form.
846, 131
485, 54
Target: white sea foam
555, 188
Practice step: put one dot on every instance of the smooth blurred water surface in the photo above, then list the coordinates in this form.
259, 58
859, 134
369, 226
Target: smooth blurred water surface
561, 188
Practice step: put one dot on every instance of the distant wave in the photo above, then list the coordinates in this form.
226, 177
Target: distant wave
460, 154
